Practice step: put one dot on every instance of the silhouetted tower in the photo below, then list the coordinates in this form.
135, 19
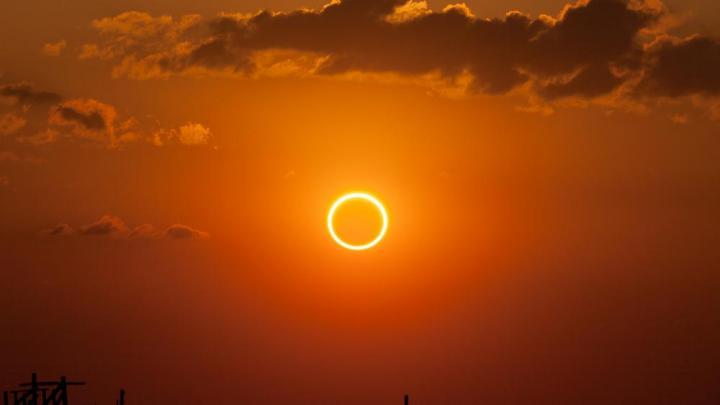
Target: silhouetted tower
407, 399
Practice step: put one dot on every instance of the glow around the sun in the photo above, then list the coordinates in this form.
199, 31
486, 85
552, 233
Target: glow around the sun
357, 196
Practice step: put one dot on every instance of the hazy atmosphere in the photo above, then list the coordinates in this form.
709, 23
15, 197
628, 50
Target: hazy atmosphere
550, 173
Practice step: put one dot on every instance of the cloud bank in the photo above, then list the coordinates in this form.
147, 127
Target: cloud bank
111, 226
591, 49
83, 120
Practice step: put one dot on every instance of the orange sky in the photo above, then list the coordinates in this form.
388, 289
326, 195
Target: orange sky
551, 183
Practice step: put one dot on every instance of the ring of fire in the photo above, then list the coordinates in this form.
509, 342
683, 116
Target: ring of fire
357, 196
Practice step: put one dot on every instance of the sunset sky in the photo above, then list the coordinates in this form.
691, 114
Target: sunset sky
551, 171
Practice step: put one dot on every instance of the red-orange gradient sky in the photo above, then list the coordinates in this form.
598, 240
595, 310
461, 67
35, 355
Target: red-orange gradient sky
552, 177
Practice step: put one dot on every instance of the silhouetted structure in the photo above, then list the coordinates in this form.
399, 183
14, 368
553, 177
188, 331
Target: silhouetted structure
121, 401
40, 392
407, 399
45, 393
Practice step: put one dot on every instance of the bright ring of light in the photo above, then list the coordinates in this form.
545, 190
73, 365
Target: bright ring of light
357, 196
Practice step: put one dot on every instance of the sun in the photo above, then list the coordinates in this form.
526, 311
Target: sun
357, 196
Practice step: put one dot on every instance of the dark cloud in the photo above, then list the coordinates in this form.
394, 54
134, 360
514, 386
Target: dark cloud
114, 227
592, 81
58, 230
581, 53
689, 66
84, 114
90, 120
500, 54
25, 93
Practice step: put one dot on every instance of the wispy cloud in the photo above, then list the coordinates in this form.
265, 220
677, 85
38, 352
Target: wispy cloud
54, 48
10, 123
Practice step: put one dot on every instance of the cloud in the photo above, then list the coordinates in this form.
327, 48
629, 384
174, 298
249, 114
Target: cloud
108, 225
92, 120
45, 136
590, 50
190, 134
679, 119
145, 231
135, 25
4, 181
10, 123
88, 114
178, 231
193, 133
11, 156
682, 67
346, 35
54, 48
87, 120
26, 94
409, 11
57, 231
111, 226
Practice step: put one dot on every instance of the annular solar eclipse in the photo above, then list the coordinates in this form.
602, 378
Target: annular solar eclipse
357, 196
